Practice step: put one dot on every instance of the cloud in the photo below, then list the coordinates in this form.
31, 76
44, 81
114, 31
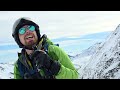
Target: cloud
63, 23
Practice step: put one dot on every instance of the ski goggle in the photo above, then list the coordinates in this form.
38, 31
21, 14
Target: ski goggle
23, 29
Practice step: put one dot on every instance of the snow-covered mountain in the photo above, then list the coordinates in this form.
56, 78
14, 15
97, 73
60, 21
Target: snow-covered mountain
82, 59
90, 51
105, 62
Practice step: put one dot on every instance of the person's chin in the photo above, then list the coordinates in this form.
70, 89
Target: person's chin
31, 42
29, 46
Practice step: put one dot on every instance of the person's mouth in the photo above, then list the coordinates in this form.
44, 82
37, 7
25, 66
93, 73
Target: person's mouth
29, 37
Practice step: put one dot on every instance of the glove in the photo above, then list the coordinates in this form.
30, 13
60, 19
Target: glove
43, 60
33, 76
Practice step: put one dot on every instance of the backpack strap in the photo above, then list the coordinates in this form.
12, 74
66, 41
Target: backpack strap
44, 43
21, 68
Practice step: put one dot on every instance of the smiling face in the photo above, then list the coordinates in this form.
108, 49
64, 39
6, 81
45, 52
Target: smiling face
29, 38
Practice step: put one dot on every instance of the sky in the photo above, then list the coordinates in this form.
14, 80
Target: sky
62, 23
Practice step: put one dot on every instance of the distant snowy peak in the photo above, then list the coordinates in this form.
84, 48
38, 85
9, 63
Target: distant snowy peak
88, 52
105, 63
91, 50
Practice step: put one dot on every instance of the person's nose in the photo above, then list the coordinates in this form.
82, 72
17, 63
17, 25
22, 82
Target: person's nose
27, 31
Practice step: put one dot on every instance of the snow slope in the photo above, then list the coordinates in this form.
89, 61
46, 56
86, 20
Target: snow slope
81, 60
6, 71
105, 63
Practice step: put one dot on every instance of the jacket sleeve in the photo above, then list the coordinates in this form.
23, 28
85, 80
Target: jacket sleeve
16, 72
67, 70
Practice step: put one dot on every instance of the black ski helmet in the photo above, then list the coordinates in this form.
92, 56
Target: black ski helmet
20, 23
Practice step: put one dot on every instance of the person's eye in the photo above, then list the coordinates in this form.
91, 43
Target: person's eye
32, 28
22, 31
